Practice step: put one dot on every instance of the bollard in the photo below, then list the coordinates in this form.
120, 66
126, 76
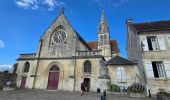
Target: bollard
104, 93
102, 97
149, 94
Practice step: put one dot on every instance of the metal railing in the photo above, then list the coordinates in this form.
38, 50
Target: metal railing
26, 56
88, 53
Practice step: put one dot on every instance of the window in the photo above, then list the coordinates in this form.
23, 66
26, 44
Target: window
15, 68
168, 38
152, 43
59, 36
105, 39
87, 67
54, 68
121, 74
26, 67
158, 69
101, 39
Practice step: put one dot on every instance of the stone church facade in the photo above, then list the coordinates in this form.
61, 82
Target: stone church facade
64, 60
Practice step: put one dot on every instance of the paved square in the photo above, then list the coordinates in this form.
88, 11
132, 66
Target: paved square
57, 95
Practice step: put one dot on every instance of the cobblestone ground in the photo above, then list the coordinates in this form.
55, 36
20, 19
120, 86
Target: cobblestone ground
57, 95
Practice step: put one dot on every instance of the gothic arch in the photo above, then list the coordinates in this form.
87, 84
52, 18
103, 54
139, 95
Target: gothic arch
55, 67
26, 67
15, 66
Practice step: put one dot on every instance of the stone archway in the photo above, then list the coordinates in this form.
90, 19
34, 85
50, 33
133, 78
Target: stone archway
53, 78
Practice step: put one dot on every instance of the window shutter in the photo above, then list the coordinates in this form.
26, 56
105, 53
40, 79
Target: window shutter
167, 68
168, 38
118, 72
149, 69
123, 75
144, 41
161, 42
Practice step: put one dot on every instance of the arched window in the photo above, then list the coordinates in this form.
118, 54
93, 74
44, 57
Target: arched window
101, 39
59, 35
87, 67
105, 39
121, 74
15, 68
26, 66
54, 68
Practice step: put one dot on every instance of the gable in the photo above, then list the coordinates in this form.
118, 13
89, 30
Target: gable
61, 39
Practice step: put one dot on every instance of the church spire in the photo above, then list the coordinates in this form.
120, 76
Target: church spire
103, 27
62, 10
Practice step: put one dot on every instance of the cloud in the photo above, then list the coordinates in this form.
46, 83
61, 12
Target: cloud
98, 2
35, 4
53, 3
119, 3
2, 44
102, 3
4, 67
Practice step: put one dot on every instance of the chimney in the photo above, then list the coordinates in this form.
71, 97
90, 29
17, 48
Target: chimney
129, 21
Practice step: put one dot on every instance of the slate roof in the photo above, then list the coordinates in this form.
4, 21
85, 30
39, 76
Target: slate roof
113, 43
149, 26
117, 60
82, 40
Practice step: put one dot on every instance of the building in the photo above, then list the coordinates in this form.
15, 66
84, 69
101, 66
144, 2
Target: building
148, 44
64, 60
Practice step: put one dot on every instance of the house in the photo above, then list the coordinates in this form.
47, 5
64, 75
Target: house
148, 44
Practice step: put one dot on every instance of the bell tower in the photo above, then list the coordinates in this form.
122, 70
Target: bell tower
104, 38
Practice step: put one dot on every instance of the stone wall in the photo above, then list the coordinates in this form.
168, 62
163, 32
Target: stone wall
132, 74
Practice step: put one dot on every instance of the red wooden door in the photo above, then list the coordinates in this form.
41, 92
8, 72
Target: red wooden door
23, 82
53, 80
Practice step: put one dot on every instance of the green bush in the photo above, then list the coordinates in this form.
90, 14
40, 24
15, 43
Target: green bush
113, 87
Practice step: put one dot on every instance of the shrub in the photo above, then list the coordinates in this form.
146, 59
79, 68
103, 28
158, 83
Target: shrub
113, 87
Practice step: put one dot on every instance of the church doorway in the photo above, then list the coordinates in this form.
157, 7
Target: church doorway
87, 84
23, 82
53, 78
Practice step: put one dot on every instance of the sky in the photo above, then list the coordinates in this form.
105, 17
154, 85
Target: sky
23, 22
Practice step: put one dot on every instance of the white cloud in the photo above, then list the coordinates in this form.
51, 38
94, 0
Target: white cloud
98, 2
119, 3
2, 44
35, 4
4, 67
114, 3
53, 3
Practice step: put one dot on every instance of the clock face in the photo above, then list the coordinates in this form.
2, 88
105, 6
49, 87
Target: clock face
59, 37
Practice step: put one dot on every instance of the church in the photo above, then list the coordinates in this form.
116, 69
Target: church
64, 60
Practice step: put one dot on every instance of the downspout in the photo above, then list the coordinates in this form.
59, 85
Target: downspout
36, 70
75, 64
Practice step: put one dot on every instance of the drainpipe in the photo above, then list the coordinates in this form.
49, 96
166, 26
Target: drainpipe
36, 70
75, 64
